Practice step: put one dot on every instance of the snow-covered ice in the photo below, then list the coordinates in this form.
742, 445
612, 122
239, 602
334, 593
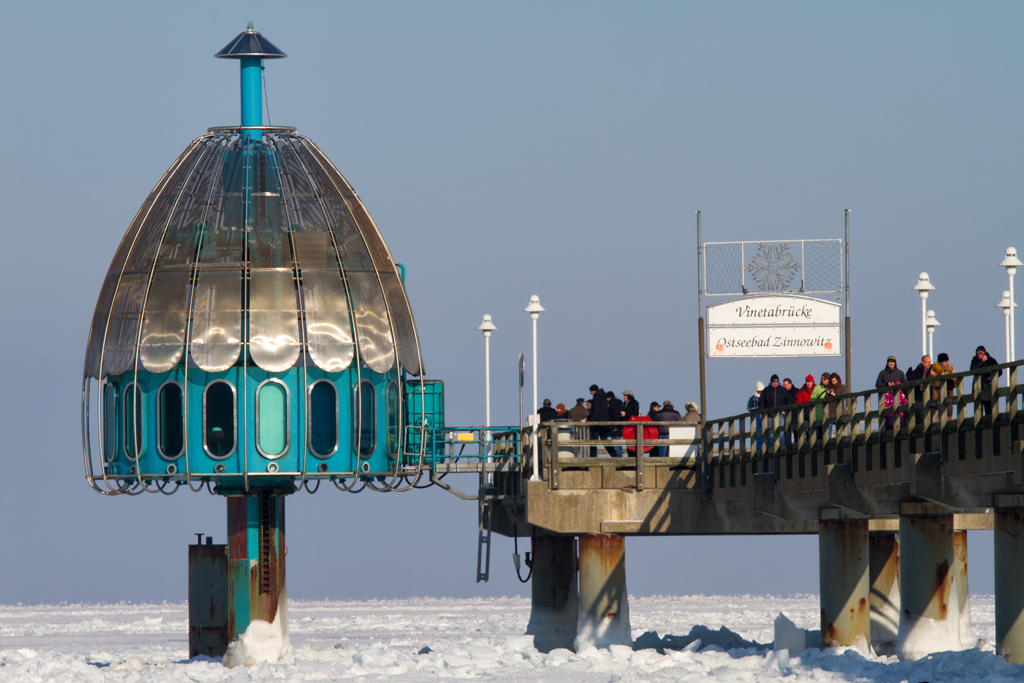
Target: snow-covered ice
677, 638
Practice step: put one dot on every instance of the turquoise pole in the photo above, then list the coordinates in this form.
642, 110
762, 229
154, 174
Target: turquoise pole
252, 95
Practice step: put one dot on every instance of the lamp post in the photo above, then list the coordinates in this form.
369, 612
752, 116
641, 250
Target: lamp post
1010, 263
931, 323
922, 287
487, 326
1007, 307
535, 309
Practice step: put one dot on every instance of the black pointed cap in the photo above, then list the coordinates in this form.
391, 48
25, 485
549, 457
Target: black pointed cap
250, 43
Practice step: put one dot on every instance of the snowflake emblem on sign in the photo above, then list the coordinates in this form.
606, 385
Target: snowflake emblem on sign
773, 267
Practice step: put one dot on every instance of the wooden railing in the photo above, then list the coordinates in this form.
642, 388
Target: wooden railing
857, 429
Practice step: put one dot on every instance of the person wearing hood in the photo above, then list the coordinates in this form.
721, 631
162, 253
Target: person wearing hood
941, 367
753, 405
692, 412
982, 359
599, 413
773, 396
630, 406
546, 413
807, 393
891, 376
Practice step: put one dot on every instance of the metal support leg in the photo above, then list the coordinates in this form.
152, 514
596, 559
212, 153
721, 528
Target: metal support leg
843, 572
1009, 558
884, 561
604, 609
256, 575
963, 595
930, 616
555, 607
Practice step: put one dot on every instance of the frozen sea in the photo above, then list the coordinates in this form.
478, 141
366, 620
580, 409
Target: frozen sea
427, 639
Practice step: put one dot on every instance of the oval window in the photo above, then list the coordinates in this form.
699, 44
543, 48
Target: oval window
110, 422
323, 418
272, 418
219, 419
391, 406
365, 414
170, 421
133, 444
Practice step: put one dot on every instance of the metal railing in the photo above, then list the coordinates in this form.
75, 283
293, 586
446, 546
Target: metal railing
860, 430
552, 444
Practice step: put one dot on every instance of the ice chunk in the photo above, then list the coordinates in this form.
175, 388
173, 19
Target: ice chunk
788, 636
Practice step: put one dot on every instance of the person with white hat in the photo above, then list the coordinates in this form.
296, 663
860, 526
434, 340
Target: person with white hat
752, 406
630, 406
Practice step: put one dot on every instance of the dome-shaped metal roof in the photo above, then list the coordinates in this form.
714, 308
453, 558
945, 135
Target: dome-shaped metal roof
256, 242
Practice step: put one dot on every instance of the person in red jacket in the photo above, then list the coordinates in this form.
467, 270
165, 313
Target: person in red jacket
804, 396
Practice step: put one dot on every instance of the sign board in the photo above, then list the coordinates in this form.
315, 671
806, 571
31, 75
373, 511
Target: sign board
774, 325
762, 342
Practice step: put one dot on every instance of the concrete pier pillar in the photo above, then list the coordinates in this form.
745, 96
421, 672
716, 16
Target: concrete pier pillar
930, 610
604, 608
963, 595
257, 597
555, 605
884, 561
1009, 558
843, 576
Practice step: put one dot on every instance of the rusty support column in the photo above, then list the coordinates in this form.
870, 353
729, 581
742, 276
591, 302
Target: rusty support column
256, 567
843, 576
604, 608
884, 560
930, 615
1009, 558
963, 595
555, 605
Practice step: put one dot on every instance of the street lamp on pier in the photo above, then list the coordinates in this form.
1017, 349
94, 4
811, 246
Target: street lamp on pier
1010, 263
535, 309
931, 323
1007, 307
923, 287
487, 326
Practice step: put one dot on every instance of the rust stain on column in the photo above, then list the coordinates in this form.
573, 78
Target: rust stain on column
843, 573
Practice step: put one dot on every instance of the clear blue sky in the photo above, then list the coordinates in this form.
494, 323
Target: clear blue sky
558, 149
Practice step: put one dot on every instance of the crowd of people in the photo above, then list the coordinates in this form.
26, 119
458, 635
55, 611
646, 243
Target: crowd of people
605, 406
782, 394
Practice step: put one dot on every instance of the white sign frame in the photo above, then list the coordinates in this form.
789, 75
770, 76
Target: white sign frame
791, 341
772, 310
773, 326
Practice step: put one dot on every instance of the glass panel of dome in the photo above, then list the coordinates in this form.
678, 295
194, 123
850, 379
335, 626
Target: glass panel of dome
163, 323
273, 319
123, 327
365, 414
133, 414
110, 421
323, 418
328, 327
216, 320
223, 239
100, 317
391, 406
182, 235
170, 420
272, 418
401, 316
148, 242
219, 419
269, 246
373, 329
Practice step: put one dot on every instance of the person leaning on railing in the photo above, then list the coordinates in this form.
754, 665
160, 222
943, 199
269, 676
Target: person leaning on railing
940, 368
891, 376
982, 359
773, 396
668, 413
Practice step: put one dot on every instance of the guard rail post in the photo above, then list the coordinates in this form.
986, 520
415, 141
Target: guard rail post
555, 465
639, 457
